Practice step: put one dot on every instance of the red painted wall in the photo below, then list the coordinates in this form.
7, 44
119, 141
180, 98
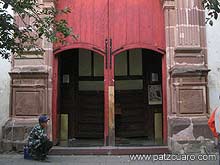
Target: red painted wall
89, 20
130, 23
136, 23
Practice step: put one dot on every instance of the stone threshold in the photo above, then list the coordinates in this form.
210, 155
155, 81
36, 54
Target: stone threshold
56, 150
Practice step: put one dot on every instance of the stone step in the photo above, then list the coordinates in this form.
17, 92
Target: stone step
17, 131
108, 150
8, 145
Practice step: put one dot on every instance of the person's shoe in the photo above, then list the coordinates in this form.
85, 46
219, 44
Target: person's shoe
45, 159
36, 158
39, 157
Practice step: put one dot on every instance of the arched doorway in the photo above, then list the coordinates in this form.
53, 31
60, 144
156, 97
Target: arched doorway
109, 28
81, 98
138, 98
137, 105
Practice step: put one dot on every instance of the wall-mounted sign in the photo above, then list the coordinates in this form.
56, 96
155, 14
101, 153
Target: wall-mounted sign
154, 77
154, 94
66, 78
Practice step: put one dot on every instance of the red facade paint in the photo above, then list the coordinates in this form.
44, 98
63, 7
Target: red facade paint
54, 99
128, 24
136, 23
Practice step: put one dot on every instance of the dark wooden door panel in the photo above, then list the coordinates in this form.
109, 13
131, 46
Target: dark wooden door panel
90, 114
132, 120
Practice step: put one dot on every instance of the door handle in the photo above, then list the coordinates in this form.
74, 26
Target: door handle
110, 53
106, 53
113, 52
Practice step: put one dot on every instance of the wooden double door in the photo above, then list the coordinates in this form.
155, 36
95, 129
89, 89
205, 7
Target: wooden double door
108, 28
82, 93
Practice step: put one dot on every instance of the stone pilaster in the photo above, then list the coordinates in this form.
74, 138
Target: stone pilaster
187, 75
31, 91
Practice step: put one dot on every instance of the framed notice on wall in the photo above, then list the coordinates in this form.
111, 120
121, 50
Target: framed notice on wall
66, 78
154, 94
154, 77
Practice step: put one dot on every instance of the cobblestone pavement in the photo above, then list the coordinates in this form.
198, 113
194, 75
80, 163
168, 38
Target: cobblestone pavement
17, 159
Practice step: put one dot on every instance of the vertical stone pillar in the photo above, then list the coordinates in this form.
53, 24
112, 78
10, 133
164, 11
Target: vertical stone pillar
187, 75
31, 90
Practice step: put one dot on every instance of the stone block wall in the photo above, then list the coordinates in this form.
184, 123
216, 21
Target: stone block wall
15, 133
187, 83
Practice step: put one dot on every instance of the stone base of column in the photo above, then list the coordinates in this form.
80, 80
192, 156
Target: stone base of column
190, 135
